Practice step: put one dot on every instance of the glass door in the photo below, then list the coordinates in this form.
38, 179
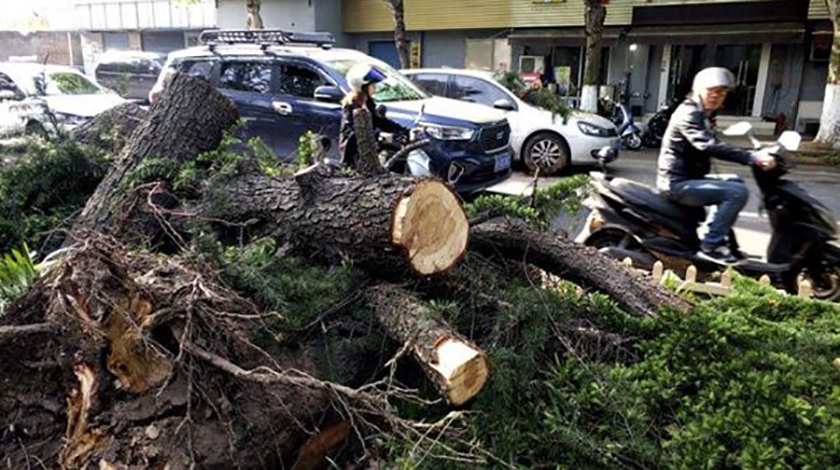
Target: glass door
743, 61
686, 61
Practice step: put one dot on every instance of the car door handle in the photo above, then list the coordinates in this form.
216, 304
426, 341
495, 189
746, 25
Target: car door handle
282, 108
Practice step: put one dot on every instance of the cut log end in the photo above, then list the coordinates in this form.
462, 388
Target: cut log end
463, 369
431, 227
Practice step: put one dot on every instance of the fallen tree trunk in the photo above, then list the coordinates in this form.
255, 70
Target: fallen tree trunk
583, 265
382, 224
189, 118
111, 129
458, 368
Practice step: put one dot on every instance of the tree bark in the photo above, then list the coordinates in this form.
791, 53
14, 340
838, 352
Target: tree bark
458, 368
398, 9
111, 129
384, 224
637, 294
189, 118
254, 19
594, 18
829, 134
367, 158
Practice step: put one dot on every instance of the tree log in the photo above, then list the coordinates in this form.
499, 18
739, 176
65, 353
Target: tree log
458, 368
583, 265
189, 118
111, 129
382, 224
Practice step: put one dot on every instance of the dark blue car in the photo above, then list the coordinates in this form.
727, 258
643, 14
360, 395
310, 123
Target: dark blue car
285, 87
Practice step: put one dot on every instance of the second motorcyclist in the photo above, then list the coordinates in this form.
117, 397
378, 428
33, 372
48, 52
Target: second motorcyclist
362, 78
685, 162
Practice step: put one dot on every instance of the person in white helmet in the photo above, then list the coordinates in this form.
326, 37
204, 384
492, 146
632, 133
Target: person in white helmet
685, 162
362, 78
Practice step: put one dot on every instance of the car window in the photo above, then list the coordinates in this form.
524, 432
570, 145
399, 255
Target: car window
475, 90
434, 83
197, 68
300, 81
69, 83
245, 76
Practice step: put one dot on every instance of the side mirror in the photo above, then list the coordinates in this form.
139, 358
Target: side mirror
381, 110
503, 104
737, 130
790, 140
8, 95
329, 94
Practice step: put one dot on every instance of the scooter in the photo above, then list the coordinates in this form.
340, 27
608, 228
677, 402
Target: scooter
630, 134
629, 219
658, 123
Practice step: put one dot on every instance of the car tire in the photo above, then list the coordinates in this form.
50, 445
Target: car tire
546, 151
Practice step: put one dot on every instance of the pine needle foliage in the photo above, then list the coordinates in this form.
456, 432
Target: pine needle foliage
17, 273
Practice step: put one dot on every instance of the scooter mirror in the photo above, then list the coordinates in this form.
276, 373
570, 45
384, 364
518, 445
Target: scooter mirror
790, 140
740, 129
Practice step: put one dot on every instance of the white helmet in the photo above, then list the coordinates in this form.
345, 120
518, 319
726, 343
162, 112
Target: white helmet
713, 77
364, 74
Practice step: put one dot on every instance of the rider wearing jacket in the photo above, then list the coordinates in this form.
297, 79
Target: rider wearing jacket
685, 161
362, 79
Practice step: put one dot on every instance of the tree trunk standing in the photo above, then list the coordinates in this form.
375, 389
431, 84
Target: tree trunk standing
596, 13
458, 368
254, 20
583, 265
398, 8
189, 118
829, 134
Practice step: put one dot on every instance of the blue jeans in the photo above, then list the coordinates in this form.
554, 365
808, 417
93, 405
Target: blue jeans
729, 195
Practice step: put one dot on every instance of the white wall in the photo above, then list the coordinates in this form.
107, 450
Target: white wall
292, 15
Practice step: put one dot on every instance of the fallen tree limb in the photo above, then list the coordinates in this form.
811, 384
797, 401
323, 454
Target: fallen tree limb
458, 368
10, 332
111, 130
637, 294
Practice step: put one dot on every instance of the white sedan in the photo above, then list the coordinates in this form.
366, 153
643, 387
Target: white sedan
538, 138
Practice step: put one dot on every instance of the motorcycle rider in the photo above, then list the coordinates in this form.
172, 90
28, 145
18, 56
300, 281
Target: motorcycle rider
685, 162
362, 78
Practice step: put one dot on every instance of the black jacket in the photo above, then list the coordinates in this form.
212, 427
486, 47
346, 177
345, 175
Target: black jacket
688, 145
347, 138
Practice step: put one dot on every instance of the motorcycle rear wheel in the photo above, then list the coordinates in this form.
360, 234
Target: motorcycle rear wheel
825, 283
633, 142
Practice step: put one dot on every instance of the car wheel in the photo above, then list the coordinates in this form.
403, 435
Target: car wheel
35, 128
633, 141
545, 151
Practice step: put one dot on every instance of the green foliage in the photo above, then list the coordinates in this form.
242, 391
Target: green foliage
566, 195
43, 189
742, 382
307, 150
17, 272
539, 97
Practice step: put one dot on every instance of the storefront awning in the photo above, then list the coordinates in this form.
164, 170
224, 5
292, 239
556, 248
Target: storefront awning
776, 33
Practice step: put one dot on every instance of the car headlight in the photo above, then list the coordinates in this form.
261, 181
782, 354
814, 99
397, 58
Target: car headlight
591, 129
448, 133
71, 119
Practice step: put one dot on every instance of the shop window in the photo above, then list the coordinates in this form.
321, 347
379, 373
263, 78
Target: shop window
821, 47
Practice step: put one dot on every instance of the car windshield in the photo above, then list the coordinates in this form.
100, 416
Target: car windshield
67, 83
395, 88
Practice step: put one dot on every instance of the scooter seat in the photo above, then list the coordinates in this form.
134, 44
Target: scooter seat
639, 194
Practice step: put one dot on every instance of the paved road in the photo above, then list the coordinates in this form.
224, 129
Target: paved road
752, 228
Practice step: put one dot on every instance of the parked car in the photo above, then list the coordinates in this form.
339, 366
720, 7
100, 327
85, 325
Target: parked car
31, 93
285, 84
132, 74
538, 137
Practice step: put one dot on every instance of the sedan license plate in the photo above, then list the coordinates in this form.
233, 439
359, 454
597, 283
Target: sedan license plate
502, 163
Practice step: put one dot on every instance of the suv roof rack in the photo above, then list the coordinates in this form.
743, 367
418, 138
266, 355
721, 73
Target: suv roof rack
264, 37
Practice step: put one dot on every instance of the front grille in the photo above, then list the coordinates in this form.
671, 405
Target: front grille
495, 137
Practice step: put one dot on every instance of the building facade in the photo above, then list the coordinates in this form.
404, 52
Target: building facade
777, 49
